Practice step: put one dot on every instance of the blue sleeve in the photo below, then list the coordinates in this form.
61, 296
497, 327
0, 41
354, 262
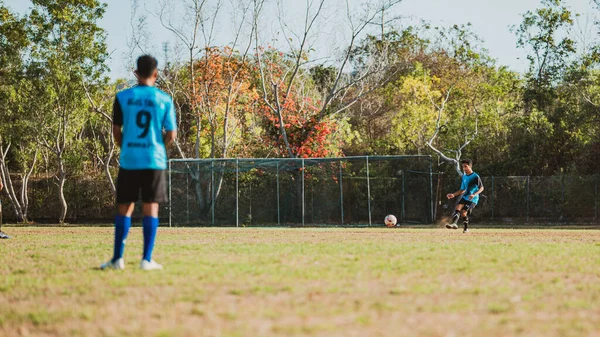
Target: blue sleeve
170, 119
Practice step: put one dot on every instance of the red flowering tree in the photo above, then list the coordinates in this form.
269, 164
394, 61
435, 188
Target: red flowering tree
292, 123
302, 107
307, 136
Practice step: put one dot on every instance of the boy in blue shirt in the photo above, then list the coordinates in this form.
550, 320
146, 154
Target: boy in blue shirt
470, 189
140, 114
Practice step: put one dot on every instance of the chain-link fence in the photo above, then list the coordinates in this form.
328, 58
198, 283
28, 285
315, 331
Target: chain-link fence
326, 192
547, 199
89, 200
349, 191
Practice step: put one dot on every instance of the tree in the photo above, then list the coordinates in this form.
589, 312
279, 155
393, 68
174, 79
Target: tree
383, 121
100, 142
195, 32
212, 87
559, 93
545, 33
68, 50
283, 79
458, 86
225, 94
16, 150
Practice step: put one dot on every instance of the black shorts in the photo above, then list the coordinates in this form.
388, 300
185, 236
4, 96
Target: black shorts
152, 184
468, 205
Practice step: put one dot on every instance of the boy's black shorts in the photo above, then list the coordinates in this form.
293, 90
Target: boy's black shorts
151, 183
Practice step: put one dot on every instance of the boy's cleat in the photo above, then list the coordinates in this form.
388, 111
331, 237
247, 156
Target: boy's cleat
466, 230
452, 226
150, 265
3, 235
119, 264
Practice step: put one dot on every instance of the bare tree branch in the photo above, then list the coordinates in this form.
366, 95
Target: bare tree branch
94, 106
440, 109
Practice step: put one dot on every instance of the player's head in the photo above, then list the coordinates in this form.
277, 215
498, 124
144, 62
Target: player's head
467, 166
147, 69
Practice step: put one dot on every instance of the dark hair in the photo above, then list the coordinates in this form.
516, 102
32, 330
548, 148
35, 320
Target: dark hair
146, 65
467, 161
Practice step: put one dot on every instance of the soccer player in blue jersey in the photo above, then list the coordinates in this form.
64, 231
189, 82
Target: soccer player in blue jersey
143, 125
470, 189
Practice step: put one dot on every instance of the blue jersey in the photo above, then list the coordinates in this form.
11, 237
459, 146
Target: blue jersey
470, 184
143, 112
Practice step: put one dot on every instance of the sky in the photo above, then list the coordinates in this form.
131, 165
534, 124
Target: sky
491, 20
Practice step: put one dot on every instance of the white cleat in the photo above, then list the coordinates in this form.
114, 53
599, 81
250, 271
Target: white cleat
452, 226
150, 265
466, 230
119, 264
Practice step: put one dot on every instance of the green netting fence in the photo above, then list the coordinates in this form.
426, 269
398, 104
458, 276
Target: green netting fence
352, 191
529, 199
336, 192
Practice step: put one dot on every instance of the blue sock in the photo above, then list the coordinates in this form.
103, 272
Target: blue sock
150, 226
122, 224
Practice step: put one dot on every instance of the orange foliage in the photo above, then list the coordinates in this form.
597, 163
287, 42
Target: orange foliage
309, 135
223, 76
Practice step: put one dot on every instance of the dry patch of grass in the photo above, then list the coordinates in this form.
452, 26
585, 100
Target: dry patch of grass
303, 282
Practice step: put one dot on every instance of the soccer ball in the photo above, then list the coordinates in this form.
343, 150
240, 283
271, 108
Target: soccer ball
390, 220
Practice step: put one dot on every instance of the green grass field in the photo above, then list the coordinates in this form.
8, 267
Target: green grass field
303, 282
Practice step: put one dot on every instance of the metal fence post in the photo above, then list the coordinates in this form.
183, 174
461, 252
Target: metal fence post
278, 206
312, 202
562, 196
596, 199
403, 214
212, 190
237, 193
368, 190
492, 197
341, 193
187, 198
170, 198
303, 203
527, 198
431, 189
